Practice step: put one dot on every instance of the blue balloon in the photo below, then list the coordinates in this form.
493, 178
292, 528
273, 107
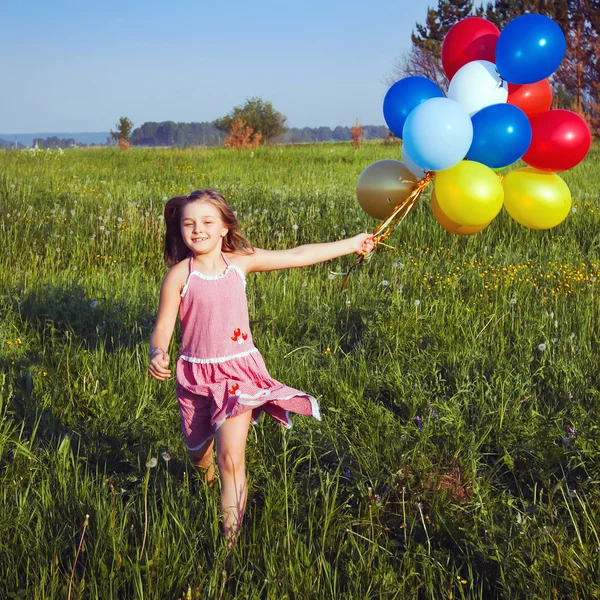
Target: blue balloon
501, 135
405, 95
438, 134
529, 49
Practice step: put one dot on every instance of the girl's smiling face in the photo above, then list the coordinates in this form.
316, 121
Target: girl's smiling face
202, 227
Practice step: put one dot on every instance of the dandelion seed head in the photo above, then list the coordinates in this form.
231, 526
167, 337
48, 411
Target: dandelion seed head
541, 347
151, 463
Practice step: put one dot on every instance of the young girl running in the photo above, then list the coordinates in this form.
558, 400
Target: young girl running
222, 382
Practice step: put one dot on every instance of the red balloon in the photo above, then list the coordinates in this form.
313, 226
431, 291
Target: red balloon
470, 39
560, 139
532, 98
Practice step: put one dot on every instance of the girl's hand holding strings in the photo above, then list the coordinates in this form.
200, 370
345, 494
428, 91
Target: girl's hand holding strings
159, 361
362, 243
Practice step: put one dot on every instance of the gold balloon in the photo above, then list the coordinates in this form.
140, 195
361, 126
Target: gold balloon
469, 193
536, 199
448, 224
383, 185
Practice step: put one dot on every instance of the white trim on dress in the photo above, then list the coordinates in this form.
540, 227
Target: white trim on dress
218, 359
251, 401
212, 277
313, 403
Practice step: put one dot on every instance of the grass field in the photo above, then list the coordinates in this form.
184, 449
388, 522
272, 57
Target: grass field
458, 380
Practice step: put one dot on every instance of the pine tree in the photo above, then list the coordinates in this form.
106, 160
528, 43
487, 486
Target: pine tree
574, 73
438, 22
425, 56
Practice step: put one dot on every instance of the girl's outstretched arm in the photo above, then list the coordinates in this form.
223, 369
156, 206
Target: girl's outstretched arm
308, 254
168, 307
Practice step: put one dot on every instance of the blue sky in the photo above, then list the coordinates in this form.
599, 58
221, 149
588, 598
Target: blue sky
74, 66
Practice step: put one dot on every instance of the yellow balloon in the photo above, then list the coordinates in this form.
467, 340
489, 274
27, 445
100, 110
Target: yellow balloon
536, 199
469, 193
383, 185
449, 225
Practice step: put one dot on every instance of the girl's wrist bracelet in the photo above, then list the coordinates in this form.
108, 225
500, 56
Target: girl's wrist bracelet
153, 350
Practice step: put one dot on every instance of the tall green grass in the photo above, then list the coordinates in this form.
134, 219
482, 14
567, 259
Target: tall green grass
457, 377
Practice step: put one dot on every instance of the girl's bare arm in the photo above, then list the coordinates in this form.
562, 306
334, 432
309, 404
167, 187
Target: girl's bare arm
308, 254
168, 307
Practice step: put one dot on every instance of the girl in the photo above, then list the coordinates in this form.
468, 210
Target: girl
222, 381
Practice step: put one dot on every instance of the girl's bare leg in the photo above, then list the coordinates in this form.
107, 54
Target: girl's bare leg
203, 461
231, 451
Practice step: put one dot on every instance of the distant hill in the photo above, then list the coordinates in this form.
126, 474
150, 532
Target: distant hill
6, 144
88, 138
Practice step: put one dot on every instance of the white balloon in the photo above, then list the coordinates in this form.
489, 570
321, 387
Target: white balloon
411, 165
477, 85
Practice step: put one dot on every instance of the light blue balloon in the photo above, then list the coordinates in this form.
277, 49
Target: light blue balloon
404, 96
437, 134
410, 164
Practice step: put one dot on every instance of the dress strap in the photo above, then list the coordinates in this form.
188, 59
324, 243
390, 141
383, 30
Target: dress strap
191, 263
225, 259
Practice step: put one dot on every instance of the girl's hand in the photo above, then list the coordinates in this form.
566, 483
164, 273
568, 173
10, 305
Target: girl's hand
362, 243
159, 361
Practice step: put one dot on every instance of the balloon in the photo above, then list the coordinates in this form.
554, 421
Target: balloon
529, 49
470, 39
437, 134
560, 140
535, 199
382, 186
469, 193
501, 135
477, 85
532, 98
449, 225
413, 167
405, 95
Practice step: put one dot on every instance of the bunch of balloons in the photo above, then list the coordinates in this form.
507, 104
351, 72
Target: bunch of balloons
495, 112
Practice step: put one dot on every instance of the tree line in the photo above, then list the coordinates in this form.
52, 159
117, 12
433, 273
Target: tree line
576, 83
169, 133
56, 142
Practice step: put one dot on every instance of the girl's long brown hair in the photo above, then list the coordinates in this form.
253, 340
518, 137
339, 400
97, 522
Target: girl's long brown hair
175, 248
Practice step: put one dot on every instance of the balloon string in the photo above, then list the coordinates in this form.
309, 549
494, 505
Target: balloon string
383, 231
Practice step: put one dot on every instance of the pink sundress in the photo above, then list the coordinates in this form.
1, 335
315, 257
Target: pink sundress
220, 373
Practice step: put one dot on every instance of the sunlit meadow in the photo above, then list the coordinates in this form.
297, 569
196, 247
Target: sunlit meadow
458, 454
